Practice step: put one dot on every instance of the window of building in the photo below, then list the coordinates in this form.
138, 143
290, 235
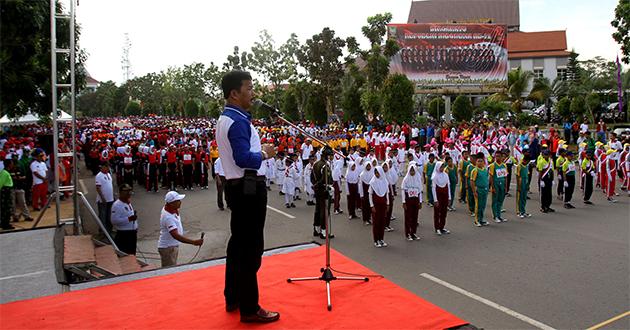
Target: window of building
562, 73
538, 73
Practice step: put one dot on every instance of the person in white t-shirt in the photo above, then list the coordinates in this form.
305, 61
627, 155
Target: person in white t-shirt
307, 149
124, 220
105, 196
171, 230
40, 180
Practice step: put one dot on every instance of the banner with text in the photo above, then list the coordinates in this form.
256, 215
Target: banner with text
462, 55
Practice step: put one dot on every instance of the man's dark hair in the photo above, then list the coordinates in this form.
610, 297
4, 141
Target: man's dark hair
233, 80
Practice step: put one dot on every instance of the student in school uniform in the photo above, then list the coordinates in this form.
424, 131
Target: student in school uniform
522, 187
364, 187
440, 185
479, 183
378, 193
411, 192
352, 189
568, 173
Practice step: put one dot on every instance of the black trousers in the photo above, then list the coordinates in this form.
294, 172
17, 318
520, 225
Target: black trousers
126, 241
508, 181
172, 173
245, 247
546, 193
220, 188
588, 186
188, 173
163, 177
568, 191
560, 189
322, 207
153, 178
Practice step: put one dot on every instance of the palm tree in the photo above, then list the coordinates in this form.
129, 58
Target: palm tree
518, 81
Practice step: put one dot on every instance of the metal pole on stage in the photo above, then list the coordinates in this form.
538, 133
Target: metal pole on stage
327, 274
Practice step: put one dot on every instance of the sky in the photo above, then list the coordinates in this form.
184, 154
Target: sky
166, 33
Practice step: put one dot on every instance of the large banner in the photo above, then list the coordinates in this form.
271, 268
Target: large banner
459, 55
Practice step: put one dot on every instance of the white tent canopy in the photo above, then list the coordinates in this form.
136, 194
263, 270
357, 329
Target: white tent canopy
30, 118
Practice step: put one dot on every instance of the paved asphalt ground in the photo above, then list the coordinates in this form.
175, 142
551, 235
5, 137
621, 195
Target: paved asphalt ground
565, 270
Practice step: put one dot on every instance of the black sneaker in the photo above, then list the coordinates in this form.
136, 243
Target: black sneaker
588, 202
551, 210
415, 237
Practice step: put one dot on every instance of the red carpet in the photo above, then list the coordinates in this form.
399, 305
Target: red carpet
194, 300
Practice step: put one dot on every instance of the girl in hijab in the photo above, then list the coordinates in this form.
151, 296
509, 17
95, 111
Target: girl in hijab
440, 185
392, 179
412, 188
366, 176
352, 189
379, 202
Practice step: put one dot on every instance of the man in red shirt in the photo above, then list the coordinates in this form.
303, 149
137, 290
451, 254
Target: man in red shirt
187, 167
152, 182
171, 162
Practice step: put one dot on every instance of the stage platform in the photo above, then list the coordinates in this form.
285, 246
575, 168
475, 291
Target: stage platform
193, 299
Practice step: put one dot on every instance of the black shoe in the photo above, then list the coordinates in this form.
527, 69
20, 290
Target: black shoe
315, 233
8, 227
588, 202
281, 193
544, 211
221, 209
292, 205
262, 316
551, 210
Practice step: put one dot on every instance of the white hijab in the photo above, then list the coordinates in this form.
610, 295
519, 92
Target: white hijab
379, 185
352, 176
366, 175
439, 177
391, 175
412, 181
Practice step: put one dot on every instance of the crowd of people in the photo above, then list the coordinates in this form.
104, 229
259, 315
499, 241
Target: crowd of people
372, 165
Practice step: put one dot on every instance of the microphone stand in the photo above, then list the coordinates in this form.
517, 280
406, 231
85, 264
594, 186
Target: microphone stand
327, 274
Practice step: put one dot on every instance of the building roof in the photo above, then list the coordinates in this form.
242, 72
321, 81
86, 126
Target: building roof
91, 81
537, 44
466, 11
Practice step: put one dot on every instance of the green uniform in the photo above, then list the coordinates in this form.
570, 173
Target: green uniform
471, 195
522, 176
6, 198
463, 167
499, 175
480, 178
452, 178
428, 170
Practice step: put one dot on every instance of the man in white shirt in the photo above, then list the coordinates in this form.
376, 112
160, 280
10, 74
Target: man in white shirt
171, 230
124, 220
105, 196
307, 149
40, 180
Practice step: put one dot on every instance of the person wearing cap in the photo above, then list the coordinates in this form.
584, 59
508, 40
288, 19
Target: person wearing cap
560, 160
242, 155
40, 179
124, 221
611, 174
568, 173
544, 165
321, 177
171, 230
588, 176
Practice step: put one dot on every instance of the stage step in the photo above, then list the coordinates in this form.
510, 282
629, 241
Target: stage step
129, 264
78, 250
149, 267
107, 259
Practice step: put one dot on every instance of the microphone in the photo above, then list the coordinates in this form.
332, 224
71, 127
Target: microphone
260, 104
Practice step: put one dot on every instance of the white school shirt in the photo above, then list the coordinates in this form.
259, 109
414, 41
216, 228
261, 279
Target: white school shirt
121, 212
41, 168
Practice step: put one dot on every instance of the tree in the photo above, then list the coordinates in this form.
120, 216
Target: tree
351, 85
436, 107
622, 25
593, 104
492, 107
316, 106
563, 107
133, 109
320, 57
25, 57
398, 102
578, 107
462, 108
191, 108
237, 60
518, 82
290, 105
